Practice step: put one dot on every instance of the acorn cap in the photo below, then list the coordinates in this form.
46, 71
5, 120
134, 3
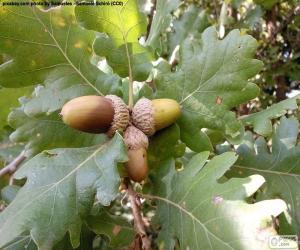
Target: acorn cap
135, 138
121, 116
143, 116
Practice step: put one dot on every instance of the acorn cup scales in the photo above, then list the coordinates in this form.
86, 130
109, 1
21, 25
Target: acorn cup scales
152, 115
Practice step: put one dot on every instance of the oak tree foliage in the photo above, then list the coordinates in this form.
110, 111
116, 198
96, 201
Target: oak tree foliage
220, 178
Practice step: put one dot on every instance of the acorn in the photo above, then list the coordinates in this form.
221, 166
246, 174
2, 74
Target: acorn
137, 145
137, 165
152, 115
96, 114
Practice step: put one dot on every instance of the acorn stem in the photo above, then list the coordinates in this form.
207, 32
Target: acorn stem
130, 94
130, 89
139, 224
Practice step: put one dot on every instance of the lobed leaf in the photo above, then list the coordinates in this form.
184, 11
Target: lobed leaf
280, 166
123, 23
62, 86
211, 79
47, 132
201, 213
61, 188
261, 121
119, 231
43, 42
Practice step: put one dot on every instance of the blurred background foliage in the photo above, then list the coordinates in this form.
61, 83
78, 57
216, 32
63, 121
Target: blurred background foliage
274, 24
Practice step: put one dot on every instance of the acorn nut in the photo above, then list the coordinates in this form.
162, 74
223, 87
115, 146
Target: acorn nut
137, 165
137, 144
152, 115
96, 114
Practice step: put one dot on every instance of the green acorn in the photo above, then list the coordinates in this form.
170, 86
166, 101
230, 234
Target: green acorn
152, 115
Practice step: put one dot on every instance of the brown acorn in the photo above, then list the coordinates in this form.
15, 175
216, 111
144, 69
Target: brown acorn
96, 114
152, 115
137, 144
137, 165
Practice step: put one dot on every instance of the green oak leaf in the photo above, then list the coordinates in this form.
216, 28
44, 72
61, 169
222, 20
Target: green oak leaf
47, 42
47, 132
196, 139
261, 121
25, 241
9, 150
140, 58
61, 188
119, 231
191, 24
62, 86
211, 79
161, 177
9, 100
9, 193
161, 21
279, 165
124, 24
202, 213
163, 145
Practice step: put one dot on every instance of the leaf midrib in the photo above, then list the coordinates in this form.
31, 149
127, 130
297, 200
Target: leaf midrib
266, 171
192, 216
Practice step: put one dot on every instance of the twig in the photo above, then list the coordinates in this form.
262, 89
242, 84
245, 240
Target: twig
138, 219
13, 166
130, 76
